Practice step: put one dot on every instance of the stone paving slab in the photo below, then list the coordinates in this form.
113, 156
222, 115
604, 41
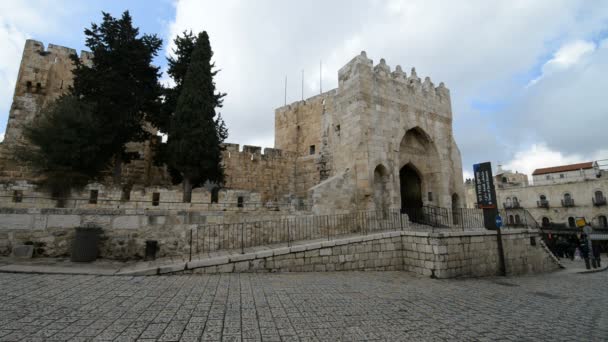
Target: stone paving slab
343, 306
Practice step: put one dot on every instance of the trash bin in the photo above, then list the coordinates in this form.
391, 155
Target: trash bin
85, 245
151, 248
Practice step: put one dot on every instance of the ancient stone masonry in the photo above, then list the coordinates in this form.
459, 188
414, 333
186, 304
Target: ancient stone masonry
44, 75
383, 140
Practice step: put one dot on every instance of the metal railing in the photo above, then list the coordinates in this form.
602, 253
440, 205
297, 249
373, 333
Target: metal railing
429, 215
238, 236
599, 201
543, 204
567, 202
467, 218
207, 238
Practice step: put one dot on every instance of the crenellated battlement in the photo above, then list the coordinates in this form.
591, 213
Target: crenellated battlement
255, 152
361, 66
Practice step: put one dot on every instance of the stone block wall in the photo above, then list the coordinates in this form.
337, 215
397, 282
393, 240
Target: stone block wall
272, 173
474, 254
439, 255
125, 230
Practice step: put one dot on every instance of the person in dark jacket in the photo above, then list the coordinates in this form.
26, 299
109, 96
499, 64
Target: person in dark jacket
597, 252
584, 247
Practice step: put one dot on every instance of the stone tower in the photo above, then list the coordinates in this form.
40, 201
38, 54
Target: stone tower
381, 140
43, 76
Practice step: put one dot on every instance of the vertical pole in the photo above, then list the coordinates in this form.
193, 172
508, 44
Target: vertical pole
285, 94
190, 258
320, 76
501, 253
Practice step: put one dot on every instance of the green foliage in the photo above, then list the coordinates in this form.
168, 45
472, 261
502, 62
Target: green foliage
122, 83
66, 144
196, 131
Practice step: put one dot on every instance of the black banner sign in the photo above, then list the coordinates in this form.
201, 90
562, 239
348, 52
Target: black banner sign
484, 185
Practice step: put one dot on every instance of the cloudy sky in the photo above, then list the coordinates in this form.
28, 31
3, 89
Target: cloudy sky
527, 78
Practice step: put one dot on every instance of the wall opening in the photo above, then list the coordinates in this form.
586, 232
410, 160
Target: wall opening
125, 195
155, 198
18, 196
311, 149
93, 195
411, 189
215, 195
240, 202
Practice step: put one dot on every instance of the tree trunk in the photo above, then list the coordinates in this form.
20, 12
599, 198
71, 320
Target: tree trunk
117, 174
187, 190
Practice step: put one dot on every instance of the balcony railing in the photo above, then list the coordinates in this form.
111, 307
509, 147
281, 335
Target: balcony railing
512, 205
567, 202
543, 204
599, 201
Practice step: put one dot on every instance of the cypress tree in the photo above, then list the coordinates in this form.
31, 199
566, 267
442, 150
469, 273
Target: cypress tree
122, 83
196, 133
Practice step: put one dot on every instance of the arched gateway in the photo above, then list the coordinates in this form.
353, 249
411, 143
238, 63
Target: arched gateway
411, 188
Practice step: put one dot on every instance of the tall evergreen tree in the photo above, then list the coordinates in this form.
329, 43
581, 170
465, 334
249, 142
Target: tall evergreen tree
177, 69
66, 145
196, 133
122, 83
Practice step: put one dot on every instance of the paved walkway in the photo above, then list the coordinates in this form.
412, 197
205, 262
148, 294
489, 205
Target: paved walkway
343, 306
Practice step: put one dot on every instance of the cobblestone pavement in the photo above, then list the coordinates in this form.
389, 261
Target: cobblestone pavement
344, 306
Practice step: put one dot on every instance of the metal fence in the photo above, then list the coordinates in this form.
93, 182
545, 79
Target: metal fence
215, 237
240, 236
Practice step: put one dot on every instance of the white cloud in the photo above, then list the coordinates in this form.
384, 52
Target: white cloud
565, 57
476, 47
540, 156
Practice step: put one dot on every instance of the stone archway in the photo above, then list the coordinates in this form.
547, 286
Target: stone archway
410, 188
381, 193
418, 153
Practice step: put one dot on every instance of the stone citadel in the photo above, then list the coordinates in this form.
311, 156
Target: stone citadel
382, 139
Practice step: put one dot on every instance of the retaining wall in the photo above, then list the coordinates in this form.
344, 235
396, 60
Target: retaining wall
440, 255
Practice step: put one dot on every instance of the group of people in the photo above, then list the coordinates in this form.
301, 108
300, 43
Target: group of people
574, 247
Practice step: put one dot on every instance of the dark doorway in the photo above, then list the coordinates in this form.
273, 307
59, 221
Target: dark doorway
411, 189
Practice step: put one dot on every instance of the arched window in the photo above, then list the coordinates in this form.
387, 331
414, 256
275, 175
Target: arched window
598, 198
504, 179
545, 221
567, 201
511, 220
602, 221
571, 222
517, 220
599, 195
515, 202
509, 203
543, 197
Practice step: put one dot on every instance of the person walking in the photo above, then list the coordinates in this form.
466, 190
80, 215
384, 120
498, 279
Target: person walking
584, 247
597, 254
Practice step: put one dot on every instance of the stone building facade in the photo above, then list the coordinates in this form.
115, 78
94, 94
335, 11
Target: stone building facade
557, 196
381, 140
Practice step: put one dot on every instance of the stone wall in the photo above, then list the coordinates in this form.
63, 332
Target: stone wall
272, 173
110, 197
440, 255
125, 230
